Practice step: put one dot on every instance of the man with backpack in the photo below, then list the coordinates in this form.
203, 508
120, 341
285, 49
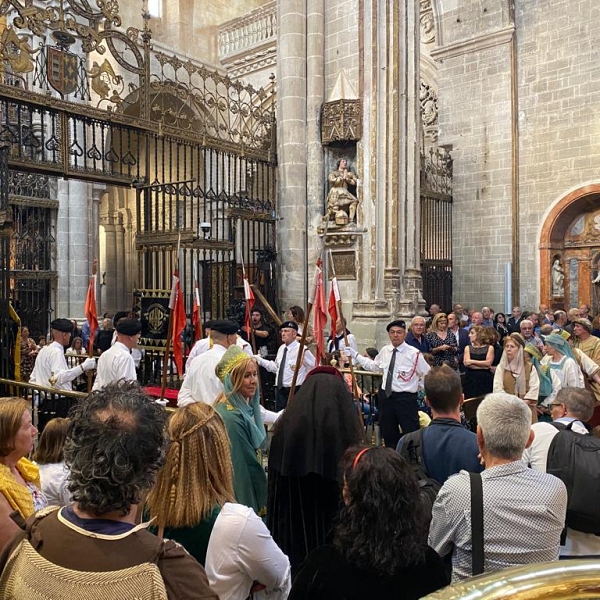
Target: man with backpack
445, 447
508, 515
565, 449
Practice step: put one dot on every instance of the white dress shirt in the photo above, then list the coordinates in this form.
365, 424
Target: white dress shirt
342, 343
54, 482
201, 383
308, 362
51, 360
114, 364
409, 368
204, 345
242, 551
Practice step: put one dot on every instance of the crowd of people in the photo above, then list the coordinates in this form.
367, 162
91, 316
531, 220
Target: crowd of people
222, 498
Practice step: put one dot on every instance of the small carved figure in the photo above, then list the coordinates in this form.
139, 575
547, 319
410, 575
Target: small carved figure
558, 279
341, 204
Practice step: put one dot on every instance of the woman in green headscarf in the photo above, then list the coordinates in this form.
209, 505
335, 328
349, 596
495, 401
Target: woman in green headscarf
561, 360
239, 407
549, 382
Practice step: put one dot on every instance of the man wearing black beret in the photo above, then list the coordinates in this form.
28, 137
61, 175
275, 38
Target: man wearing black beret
285, 363
117, 363
403, 368
51, 369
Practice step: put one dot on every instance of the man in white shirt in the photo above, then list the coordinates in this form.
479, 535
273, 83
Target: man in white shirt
51, 369
403, 368
117, 362
201, 384
285, 364
572, 405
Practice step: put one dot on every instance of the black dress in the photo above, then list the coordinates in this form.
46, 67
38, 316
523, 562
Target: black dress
326, 575
478, 381
305, 482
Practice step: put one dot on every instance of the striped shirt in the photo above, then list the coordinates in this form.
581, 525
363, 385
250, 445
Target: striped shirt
523, 516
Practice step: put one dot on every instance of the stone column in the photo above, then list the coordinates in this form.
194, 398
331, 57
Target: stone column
315, 96
408, 136
73, 246
292, 139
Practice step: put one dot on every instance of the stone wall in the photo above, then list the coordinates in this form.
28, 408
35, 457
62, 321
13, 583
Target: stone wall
557, 82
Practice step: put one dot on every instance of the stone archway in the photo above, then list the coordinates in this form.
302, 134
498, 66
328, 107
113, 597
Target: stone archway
570, 240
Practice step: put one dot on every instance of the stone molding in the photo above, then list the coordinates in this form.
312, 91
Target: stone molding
241, 64
482, 42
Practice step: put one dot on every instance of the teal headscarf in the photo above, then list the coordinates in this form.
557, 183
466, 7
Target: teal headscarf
544, 376
250, 411
559, 343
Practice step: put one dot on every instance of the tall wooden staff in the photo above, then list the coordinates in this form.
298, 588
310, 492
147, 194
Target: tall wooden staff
172, 299
338, 301
309, 307
91, 315
249, 296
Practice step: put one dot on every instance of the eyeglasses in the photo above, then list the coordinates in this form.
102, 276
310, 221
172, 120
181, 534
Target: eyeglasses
555, 404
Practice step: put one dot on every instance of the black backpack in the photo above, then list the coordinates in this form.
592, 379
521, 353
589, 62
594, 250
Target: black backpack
412, 452
575, 459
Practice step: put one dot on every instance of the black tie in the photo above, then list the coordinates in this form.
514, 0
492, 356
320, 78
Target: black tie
390, 375
281, 369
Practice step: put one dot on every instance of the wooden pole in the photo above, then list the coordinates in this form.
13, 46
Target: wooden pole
300, 356
91, 343
276, 318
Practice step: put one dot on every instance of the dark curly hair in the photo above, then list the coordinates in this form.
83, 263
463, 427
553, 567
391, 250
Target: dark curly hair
381, 527
114, 448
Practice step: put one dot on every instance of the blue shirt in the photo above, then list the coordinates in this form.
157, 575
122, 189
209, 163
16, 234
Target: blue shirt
422, 346
449, 448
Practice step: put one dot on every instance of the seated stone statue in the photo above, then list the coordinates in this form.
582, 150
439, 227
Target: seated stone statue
341, 204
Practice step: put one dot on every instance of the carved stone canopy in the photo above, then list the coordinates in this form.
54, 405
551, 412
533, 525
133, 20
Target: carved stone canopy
341, 117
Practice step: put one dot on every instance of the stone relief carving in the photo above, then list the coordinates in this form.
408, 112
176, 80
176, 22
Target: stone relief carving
427, 22
558, 279
429, 110
341, 202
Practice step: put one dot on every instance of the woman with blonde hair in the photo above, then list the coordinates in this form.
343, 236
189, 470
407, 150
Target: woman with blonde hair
516, 376
19, 478
442, 342
192, 503
49, 456
185, 501
239, 407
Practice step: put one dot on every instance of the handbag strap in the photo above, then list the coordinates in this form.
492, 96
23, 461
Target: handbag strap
477, 523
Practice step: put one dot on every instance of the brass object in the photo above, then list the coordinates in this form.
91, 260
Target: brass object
560, 580
341, 120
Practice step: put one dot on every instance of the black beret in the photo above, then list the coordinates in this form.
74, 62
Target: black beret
208, 325
289, 325
120, 315
397, 323
62, 325
226, 326
129, 327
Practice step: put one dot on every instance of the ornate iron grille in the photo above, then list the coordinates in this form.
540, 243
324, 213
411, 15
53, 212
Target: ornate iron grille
436, 227
197, 146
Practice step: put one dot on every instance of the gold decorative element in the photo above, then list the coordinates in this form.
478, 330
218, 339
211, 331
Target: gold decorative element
16, 51
156, 316
104, 78
341, 120
344, 264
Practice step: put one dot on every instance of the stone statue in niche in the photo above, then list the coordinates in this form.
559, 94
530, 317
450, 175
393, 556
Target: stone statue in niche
558, 279
341, 202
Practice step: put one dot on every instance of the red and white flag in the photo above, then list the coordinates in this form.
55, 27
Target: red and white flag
91, 311
334, 298
320, 316
249, 295
177, 308
196, 314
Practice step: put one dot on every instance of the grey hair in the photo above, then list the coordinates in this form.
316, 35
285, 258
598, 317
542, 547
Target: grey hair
114, 448
528, 321
578, 401
505, 422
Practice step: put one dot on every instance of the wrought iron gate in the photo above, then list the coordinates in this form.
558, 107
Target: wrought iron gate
436, 227
82, 97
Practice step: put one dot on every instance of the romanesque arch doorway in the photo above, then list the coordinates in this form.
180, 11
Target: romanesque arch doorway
570, 251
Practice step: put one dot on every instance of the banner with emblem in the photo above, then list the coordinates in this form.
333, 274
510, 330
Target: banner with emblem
153, 308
